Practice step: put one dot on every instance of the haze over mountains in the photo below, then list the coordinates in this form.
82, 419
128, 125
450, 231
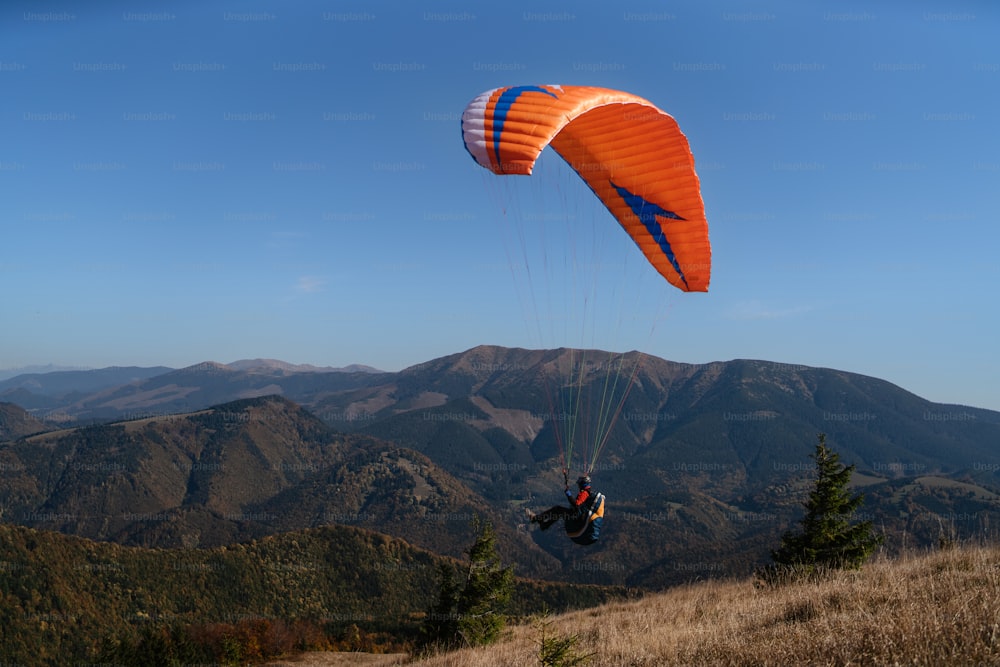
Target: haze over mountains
59, 395
6, 373
52, 381
706, 466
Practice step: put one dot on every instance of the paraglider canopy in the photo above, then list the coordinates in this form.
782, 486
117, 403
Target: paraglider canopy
631, 154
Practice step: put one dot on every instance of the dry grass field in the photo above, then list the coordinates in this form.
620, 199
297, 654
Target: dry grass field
941, 608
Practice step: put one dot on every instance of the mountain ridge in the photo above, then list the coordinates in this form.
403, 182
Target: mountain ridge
706, 463
478, 359
277, 364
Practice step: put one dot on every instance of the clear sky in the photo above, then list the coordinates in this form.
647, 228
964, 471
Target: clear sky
184, 181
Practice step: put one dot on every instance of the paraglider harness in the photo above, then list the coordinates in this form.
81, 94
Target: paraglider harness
585, 527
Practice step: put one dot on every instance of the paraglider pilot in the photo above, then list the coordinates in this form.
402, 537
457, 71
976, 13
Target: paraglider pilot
582, 519
554, 514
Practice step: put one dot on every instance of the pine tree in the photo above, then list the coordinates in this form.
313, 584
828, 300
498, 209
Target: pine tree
559, 651
488, 586
441, 625
471, 615
828, 539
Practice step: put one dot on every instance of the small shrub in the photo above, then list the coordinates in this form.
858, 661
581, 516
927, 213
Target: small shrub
559, 651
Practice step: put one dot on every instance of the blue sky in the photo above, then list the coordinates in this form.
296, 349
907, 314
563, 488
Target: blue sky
190, 181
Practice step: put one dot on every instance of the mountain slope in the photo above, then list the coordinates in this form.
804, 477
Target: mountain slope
239, 471
730, 428
16, 423
64, 596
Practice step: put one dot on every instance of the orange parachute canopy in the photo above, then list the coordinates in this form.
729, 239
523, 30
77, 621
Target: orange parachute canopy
631, 154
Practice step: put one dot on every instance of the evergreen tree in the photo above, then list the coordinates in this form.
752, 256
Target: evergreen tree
441, 625
488, 586
827, 539
559, 651
473, 614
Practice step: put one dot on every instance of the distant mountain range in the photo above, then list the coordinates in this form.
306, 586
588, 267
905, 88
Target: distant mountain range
29, 374
35, 369
66, 395
267, 365
706, 465
67, 383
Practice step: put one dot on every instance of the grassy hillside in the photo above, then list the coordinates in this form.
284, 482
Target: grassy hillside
941, 608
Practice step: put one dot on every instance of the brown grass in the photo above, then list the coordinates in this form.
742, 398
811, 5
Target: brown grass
935, 609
